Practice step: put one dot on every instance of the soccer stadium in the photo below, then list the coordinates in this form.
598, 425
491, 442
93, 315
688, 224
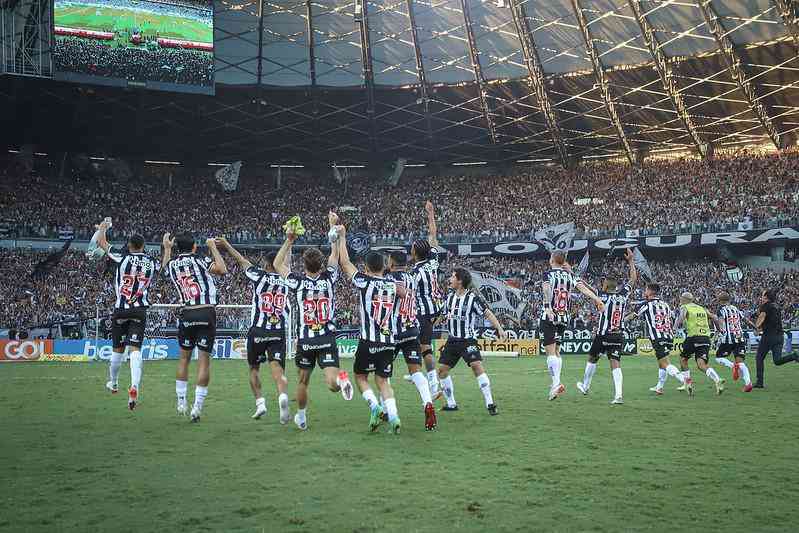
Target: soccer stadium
399, 265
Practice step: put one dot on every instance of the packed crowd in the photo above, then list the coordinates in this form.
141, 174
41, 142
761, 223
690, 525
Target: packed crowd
199, 9
155, 63
602, 199
78, 289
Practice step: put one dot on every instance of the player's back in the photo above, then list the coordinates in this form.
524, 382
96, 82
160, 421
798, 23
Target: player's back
135, 272
697, 320
192, 278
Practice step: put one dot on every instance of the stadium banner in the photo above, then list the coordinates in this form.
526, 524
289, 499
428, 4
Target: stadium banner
524, 347
645, 347
23, 351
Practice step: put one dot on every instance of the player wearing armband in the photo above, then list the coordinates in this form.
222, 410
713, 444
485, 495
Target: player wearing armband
609, 338
657, 315
314, 294
696, 320
729, 323
266, 339
559, 283
135, 272
193, 279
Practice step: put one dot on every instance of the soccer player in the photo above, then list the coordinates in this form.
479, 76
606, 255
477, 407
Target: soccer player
657, 315
135, 272
426, 256
313, 291
193, 279
375, 353
609, 338
462, 309
729, 323
696, 320
559, 283
266, 339
405, 326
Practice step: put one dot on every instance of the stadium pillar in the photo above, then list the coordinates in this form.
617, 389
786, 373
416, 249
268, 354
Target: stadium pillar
423, 86
478, 72
362, 21
314, 91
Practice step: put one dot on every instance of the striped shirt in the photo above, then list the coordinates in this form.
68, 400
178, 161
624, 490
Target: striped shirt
269, 298
428, 293
191, 277
462, 312
657, 315
733, 321
610, 320
315, 299
562, 283
377, 297
405, 323
134, 274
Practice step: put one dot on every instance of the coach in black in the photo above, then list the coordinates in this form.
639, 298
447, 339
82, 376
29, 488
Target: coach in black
769, 323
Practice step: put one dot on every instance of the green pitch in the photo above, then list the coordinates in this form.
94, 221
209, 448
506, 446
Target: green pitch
74, 459
123, 20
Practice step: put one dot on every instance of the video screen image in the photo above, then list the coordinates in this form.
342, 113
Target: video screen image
166, 45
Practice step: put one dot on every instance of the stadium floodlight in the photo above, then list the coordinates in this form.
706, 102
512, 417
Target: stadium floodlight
286, 166
94, 158
13, 151
470, 164
415, 165
40, 153
149, 162
218, 164
544, 160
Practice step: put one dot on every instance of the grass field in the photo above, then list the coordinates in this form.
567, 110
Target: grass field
115, 19
74, 459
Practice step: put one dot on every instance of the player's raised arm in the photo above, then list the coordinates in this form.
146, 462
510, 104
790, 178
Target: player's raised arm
333, 259
343, 254
218, 267
235, 254
589, 293
633, 271
432, 229
492, 318
102, 239
282, 259
168, 242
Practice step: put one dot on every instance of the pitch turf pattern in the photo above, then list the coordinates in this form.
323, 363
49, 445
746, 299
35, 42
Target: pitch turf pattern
75, 459
123, 20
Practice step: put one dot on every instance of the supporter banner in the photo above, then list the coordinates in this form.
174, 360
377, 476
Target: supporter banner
27, 350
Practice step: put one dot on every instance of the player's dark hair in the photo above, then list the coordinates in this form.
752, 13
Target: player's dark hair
184, 243
463, 275
375, 262
421, 249
312, 260
270, 260
654, 288
136, 242
771, 295
724, 298
399, 258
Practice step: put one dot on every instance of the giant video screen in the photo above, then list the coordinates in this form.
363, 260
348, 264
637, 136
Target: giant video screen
164, 45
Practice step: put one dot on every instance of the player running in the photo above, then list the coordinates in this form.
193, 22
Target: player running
559, 283
193, 279
405, 326
135, 271
266, 339
462, 309
696, 320
729, 323
609, 338
657, 315
426, 257
313, 292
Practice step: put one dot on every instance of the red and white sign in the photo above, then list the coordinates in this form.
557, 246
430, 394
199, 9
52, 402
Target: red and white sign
29, 350
175, 43
91, 34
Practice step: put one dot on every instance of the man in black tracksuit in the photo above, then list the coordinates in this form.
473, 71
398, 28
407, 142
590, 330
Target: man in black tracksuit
769, 322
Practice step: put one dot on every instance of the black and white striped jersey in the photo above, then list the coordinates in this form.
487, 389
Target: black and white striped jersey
405, 323
191, 276
733, 321
562, 283
428, 293
378, 297
464, 313
658, 316
134, 274
269, 299
315, 299
611, 318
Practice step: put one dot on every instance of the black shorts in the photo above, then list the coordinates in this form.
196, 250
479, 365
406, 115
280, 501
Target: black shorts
318, 350
265, 345
197, 327
374, 357
127, 327
662, 347
736, 349
457, 349
551, 333
610, 344
426, 329
411, 350
697, 347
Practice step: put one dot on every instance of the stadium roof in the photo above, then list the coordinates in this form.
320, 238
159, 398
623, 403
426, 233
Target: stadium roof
454, 81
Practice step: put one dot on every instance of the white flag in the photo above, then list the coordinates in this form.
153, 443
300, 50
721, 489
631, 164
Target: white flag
642, 265
228, 176
556, 238
582, 268
502, 299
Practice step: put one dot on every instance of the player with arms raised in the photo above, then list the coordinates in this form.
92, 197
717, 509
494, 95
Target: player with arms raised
557, 288
135, 271
729, 323
192, 276
266, 339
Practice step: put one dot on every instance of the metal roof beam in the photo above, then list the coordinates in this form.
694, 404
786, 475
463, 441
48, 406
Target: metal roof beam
478, 71
422, 77
733, 61
535, 76
790, 17
667, 77
361, 20
602, 82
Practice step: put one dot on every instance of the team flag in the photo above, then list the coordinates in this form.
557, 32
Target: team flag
557, 238
642, 265
501, 298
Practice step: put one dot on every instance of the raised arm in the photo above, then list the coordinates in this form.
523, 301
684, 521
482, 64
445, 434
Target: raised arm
333, 259
168, 242
235, 254
102, 239
282, 259
432, 229
589, 293
491, 317
218, 267
633, 271
343, 254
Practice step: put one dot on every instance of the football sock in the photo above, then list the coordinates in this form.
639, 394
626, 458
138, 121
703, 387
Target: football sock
181, 387
485, 388
449, 391
199, 397
745, 373
617, 381
422, 386
116, 363
674, 372
723, 361
554, 364
712, 375
590, 370
391, 408
135, 368
662, 376
370, 398
432, 379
